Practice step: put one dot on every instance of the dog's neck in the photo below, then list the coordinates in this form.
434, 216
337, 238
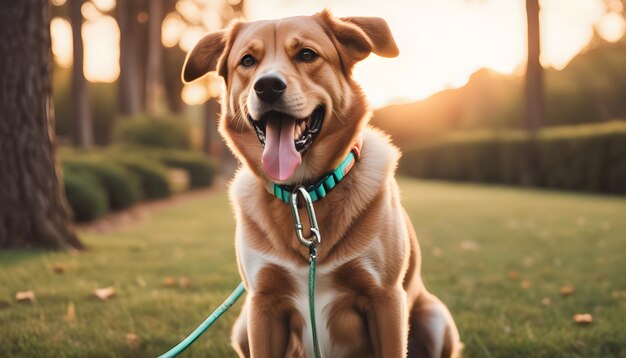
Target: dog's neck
318, 189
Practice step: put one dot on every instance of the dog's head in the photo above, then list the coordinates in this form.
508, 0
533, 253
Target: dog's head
291, 109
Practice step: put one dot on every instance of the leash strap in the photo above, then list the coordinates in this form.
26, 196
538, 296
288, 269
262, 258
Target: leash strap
180, 347
311, 242
312, 267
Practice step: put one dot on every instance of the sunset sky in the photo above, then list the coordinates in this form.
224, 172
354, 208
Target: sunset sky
442, 42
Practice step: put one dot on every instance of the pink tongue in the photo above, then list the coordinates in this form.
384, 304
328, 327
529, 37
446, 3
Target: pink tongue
280, 157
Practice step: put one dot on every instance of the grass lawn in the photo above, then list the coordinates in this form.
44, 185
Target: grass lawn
497, 256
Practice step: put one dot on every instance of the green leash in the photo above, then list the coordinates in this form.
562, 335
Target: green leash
312, 264
311, 242
180, 347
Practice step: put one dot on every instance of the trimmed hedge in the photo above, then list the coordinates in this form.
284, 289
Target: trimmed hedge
200, 169
122, 188
152, 177
86, 198
120, 176
161, 132
586, 157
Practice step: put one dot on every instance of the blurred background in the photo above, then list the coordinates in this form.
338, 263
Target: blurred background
459, 101
523, 101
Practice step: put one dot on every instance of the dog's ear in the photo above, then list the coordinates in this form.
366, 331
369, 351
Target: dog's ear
357, 37
204, 56
210, 54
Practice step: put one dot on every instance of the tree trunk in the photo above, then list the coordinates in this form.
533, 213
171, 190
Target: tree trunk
211, 143
534, 72
81, 112
129, 94
33, 211
533, 109
173, 59
155, 92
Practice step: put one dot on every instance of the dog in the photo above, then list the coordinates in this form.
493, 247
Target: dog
291, 114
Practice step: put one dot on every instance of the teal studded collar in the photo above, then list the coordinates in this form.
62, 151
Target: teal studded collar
320, 188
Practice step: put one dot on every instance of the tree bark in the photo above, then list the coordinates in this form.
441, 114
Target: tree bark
211, 144
81, 111
33, 211
534, 107
155, 92
534, 111
129, 93
173, 60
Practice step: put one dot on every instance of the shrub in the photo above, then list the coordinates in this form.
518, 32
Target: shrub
86, 198
587, 157
163, 132
152, 176
123, 188
199, 168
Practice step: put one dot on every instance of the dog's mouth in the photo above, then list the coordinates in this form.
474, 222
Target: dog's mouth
285, 138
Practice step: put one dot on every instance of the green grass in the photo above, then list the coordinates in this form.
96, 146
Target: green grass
472, 238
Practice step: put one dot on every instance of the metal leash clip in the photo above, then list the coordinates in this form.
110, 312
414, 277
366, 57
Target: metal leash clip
312, 241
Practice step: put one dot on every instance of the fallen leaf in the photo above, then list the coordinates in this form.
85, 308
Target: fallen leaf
469, 245
583, 318
25, 296
513, 275
70, 316
59, 267
566, 290
184, 282
132, 339
169, 281
546, 301
104, 294
525, 284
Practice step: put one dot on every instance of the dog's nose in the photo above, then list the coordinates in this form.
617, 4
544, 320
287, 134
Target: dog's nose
269, 88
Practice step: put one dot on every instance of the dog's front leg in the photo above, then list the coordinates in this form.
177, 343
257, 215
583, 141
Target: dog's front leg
267, 332
389, 314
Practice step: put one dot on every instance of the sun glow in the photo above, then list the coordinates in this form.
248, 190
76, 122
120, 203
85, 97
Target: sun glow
442, 42
61, 33
101, 39
611, 26
200, 91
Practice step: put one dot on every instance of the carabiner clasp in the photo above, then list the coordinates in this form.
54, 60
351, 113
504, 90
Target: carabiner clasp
315, 238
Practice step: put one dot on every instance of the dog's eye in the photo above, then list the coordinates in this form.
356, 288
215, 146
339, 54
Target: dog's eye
307, 55
248, 61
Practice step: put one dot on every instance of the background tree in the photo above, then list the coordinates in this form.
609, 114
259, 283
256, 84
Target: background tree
129, 93
33, 211
533, 89
534, 107
81, 110
155, 92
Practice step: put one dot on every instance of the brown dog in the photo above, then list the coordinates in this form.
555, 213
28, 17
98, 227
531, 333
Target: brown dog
291, 114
